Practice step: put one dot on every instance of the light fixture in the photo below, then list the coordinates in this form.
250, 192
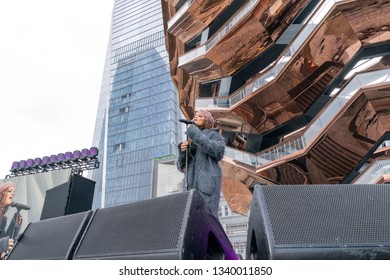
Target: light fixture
53, 159
76, 155
15, 166
84, 153
60, 158
37, 161
22, 164
45, 160
93, 152
68, 156
29, 163
77, 160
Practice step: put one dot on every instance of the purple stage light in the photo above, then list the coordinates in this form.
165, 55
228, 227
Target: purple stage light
22, 164
30, 162
84, 153
15, 166
60, 157
86, 159
76, 154
45, 160
53, 159
37, 161
68, 156
93, 152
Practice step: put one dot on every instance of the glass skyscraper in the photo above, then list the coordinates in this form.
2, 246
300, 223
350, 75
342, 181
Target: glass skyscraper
138, 111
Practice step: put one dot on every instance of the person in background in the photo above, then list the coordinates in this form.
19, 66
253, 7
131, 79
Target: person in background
7, 192
206, 148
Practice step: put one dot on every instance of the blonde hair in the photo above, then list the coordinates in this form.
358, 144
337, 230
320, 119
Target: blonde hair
3, 188
6, 185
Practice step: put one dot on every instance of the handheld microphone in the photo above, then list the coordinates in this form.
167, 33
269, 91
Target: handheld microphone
186, 121
20, 206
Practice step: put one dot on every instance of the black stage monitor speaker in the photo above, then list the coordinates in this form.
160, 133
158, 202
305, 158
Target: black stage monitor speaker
178, 226
319, 222
71, 197
51, 239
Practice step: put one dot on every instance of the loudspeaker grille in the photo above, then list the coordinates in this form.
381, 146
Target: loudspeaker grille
328, 214
144, 226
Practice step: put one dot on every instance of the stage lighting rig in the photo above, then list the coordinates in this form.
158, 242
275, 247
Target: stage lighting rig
78, 161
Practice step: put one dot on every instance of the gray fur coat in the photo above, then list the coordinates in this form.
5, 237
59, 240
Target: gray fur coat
204, 172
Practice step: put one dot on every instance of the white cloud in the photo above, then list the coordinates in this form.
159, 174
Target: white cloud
51, 64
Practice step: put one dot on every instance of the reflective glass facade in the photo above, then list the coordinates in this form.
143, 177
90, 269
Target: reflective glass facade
143, 109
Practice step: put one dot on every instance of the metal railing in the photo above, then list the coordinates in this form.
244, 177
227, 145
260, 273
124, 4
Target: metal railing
219, 35
317, 126
274, 69
179, 13
374, 172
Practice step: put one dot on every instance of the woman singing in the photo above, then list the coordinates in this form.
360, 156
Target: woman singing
7, 192
206, 149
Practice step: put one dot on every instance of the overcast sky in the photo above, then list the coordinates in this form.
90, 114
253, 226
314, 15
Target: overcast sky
52, 56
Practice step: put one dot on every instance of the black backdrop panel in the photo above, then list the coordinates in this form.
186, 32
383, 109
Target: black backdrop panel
56, 201
81, 194
319, 222
51, 239
71, 197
